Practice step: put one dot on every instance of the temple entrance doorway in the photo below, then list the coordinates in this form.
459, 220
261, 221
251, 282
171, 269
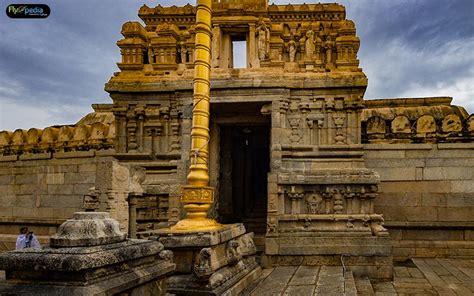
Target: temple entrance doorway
244, 165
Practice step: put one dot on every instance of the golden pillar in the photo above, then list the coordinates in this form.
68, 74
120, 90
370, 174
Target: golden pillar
198, 196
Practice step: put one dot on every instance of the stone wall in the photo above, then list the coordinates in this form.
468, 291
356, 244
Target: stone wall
423, 150
43, 190
427, 197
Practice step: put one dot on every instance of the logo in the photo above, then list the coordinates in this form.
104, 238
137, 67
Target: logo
28, 10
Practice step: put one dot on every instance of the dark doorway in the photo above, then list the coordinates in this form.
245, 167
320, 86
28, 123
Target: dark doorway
244, 165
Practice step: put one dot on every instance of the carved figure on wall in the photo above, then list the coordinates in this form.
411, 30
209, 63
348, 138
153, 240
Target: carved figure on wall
151, 55
470, 124
401, 124
309, 44
376, 125
328, 46
426, 124
296, 134
291, 48
314, 203
263, 40
203, 267
183, 51
233, 256
138, 176
272, 225
451, 123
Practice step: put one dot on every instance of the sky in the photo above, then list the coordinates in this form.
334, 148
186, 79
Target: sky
53, 69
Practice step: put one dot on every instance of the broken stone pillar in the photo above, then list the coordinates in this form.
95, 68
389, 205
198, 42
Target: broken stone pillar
212, 262
89, 255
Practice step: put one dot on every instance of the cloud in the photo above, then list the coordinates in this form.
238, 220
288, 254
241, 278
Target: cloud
417, 48
51, 70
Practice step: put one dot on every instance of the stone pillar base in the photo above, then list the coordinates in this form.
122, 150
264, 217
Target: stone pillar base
364, 256
212, 262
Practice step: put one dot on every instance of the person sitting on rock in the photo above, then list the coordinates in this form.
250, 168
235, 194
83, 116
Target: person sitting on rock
26, 239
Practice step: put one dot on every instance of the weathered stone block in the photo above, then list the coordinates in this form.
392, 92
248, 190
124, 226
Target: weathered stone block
376, 154
63, 189
462, 186
82, 189
457, 200
55, 178
8, 189
433, 199
31, 189
79, 178
393, 162
435, 234
419, 186
26, 179
6, 179
398, 199
419, 213
450, 162
25, 201
89, 167
6, 211
7, 200
447, 173
455, 213
61, 201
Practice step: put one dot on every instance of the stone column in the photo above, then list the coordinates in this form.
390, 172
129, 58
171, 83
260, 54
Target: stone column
252, 61
132, 214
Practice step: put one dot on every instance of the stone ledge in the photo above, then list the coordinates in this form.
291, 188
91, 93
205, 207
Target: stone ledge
5, 158
442, 146
433, 225
398, 146
200, 239
309, 245
105, 152
35, 156
406, 102
78, 258
74, 154
31, 221
114, 283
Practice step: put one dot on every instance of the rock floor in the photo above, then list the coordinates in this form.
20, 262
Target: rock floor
425, 276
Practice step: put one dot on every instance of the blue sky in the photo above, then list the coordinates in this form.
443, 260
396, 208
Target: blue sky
52, 70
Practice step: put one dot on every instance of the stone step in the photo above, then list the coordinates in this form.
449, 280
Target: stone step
330, 281
349, 284
364, 286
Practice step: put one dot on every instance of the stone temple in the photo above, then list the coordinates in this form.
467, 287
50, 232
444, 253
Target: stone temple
326, 180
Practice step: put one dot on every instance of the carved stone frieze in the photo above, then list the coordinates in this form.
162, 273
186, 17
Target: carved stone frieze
362, 176
420, 120
330, 199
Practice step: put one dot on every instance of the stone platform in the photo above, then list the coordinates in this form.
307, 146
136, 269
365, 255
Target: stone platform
88, 255
422, 276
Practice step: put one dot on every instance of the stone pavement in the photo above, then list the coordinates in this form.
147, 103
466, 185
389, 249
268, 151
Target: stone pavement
423, 276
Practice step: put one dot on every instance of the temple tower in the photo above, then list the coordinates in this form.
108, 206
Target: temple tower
285, 153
